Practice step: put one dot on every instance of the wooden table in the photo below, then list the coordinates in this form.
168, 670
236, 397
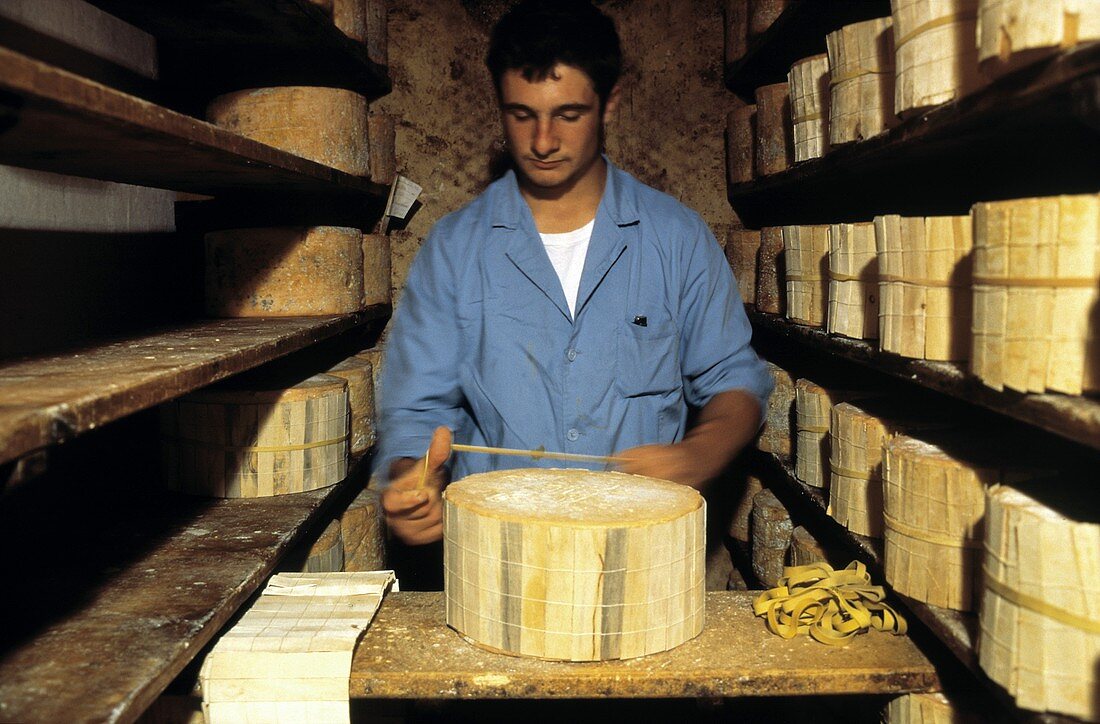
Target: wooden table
409, 653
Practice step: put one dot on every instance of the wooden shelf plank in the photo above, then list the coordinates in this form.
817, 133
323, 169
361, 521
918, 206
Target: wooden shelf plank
133, 592
797, 33
53, 120
1032, 133
47, 400
1072, 417
734, 656
221, 45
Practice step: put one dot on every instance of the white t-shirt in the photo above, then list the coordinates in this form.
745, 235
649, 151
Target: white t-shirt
567, 252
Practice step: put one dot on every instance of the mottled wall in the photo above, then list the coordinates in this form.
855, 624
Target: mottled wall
668, 131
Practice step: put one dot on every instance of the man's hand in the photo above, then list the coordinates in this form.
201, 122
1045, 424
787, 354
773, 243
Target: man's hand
725, 425
414, 513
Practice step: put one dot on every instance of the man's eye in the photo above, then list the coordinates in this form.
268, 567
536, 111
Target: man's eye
521, 115
571, 117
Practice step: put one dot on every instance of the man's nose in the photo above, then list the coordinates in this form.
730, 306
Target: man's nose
545, 141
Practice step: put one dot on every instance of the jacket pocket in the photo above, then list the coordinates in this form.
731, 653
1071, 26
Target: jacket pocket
648, 358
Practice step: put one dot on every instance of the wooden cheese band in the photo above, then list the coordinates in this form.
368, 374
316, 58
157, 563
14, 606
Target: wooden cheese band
377, 284
853, 281
933, 708
326, 125
936, 55
774, 148
250, 438
771, 272
363, 533
736, 25
359, 376
741, 522
771, 536
326, 554
284, 272
924, 266
742, 250
813, 406
806, 250
1040, 611
740, 144
805, 550
809, 87
861, 78
763, 13
776, 435
573, 564
858, 431
933, 508
1015, 33
1036, 288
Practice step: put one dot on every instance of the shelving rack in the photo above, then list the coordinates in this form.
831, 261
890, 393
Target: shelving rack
1034, 132
138, 585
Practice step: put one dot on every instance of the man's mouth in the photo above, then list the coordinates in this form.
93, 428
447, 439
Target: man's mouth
545, 164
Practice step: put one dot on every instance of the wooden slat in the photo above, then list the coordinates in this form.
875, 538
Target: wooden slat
1033, 133
229, 44
132, 594
797, 33
53, 120
1074, 418
408, 652
47, 400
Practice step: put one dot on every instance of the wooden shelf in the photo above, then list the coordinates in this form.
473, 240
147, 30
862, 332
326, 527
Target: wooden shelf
215, 46
48, 400
797, 33
53, 120
133, 590
1074, 418
1033, 133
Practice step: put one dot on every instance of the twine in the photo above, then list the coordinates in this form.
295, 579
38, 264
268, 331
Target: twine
928, 537
858, 73
919, 282
831, 606
1053, 282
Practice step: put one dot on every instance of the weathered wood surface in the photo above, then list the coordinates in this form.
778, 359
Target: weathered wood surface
995, 143
734, 656
53, 120
1072, 417
247, 40
107, 626
47, 400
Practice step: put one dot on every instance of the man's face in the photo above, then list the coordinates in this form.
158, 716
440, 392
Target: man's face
552, 126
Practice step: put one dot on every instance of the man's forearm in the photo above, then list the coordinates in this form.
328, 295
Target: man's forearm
724, 427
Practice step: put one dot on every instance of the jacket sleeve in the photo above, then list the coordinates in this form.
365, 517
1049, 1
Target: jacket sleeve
419, 386
715, 350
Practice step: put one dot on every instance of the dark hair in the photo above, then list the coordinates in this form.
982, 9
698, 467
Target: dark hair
535, 35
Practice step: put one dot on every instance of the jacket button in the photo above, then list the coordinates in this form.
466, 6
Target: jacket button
572, 435
571, 355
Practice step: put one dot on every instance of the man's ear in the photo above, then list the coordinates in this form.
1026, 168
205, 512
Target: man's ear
612, 103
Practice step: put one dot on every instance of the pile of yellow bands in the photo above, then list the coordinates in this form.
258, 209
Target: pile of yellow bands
832, 606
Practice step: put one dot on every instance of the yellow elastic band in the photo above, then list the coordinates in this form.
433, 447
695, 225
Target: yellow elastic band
919, 282
959, 17
855, 474
809, 117
831, 606
1041, 607
260, 448
1053, 282
858, 73
923, 535
847, 278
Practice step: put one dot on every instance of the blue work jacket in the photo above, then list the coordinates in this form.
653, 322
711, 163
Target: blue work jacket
482, 340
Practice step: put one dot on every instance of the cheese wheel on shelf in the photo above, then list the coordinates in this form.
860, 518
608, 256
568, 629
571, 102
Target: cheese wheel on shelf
1040, 611
374, 355
376, 269
924, 267
774, 148
763, 13
813, 407
853, 281
742, 249
805, 549
771, 272
771, 536
350, 17
363, 533
861, 79
930, 708
1015, 33
1036, 288
255, 436
776, 434
382, 141
573, 565
284, 271
740, 144
740, 524
806, 251
357, 371
326, 554
808, 80
326, 125
936, 54
736, 24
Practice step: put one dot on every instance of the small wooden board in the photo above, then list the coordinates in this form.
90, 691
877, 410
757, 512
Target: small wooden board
408, 653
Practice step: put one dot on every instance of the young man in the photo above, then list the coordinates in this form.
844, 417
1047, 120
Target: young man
568, 306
